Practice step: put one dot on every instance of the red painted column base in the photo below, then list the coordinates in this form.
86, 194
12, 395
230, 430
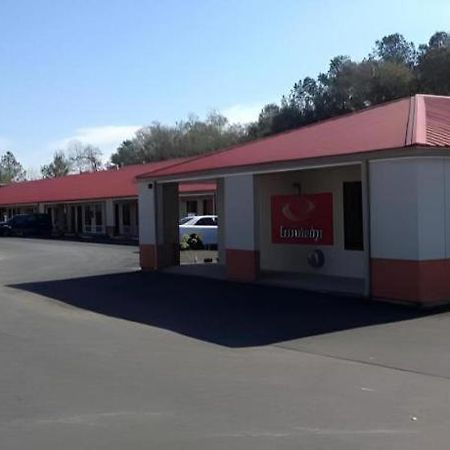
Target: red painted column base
154, 257
242, 265
148, 257
425, 283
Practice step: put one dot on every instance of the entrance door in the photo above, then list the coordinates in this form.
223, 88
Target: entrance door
79, 227
93, 218
116, 220
88, 219
73, 219
98, 218
50, 212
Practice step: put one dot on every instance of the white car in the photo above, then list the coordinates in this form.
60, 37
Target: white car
204, 226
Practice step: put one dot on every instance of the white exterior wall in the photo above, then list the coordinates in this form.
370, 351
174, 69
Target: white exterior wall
239, 213
147, 216
293, 257
221, 220
410, 208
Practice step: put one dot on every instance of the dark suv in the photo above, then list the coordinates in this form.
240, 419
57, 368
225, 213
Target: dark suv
27, 225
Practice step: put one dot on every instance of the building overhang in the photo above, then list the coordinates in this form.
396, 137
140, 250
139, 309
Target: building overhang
301, 164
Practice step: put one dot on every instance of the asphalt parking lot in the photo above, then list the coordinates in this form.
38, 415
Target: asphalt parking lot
96, 355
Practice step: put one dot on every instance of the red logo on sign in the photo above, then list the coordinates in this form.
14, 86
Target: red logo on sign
302, 219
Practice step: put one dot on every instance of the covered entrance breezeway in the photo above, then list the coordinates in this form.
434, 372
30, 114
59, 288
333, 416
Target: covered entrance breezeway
247, 247
160, 209
295, 206
295, 211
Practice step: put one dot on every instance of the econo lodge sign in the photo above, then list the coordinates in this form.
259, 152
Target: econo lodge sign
302, 219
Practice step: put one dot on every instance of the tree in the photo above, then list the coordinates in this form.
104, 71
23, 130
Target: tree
190, 137
390, 80
84, 157
395, 48
10, 168
433, 70
126, 154
393, 70
59, 167
439, 39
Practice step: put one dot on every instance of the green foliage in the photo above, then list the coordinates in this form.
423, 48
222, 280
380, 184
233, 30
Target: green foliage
186, 138
395, 49
433, 69
59, 167
191, 241
10, 168
126, 154
393, 70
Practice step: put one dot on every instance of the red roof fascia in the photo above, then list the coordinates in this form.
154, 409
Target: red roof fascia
87, 186
187, 188
419, 120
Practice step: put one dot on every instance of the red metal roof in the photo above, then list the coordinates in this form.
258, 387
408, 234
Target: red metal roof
419, 120
437, 123
89, 186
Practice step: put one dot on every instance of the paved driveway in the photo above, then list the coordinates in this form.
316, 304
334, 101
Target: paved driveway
95, 355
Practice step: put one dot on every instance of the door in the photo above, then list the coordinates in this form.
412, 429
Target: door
73, 219
93, 218
116, 220
79, 225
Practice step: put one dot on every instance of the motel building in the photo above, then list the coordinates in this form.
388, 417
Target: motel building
358, 204
101, 203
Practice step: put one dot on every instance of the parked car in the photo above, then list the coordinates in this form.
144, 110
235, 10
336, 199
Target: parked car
204, 226
27, 225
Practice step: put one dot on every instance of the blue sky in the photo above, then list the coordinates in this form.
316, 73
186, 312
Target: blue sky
96, 70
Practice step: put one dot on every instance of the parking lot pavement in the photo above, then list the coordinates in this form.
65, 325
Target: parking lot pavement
96, 355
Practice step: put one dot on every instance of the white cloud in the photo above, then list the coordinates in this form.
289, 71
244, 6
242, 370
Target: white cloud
243, 113
107, 137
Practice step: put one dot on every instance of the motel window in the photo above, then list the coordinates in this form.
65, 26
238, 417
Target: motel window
126, 214
208, 206
98, 218
191, 207
353, 216
87, 215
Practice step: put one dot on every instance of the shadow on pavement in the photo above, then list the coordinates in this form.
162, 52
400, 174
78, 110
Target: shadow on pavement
224, 313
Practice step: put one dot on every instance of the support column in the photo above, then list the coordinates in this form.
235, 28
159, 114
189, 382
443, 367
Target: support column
410, 202
147, 226
109, 217
221, 250
241, 228
158, 225
167, 225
